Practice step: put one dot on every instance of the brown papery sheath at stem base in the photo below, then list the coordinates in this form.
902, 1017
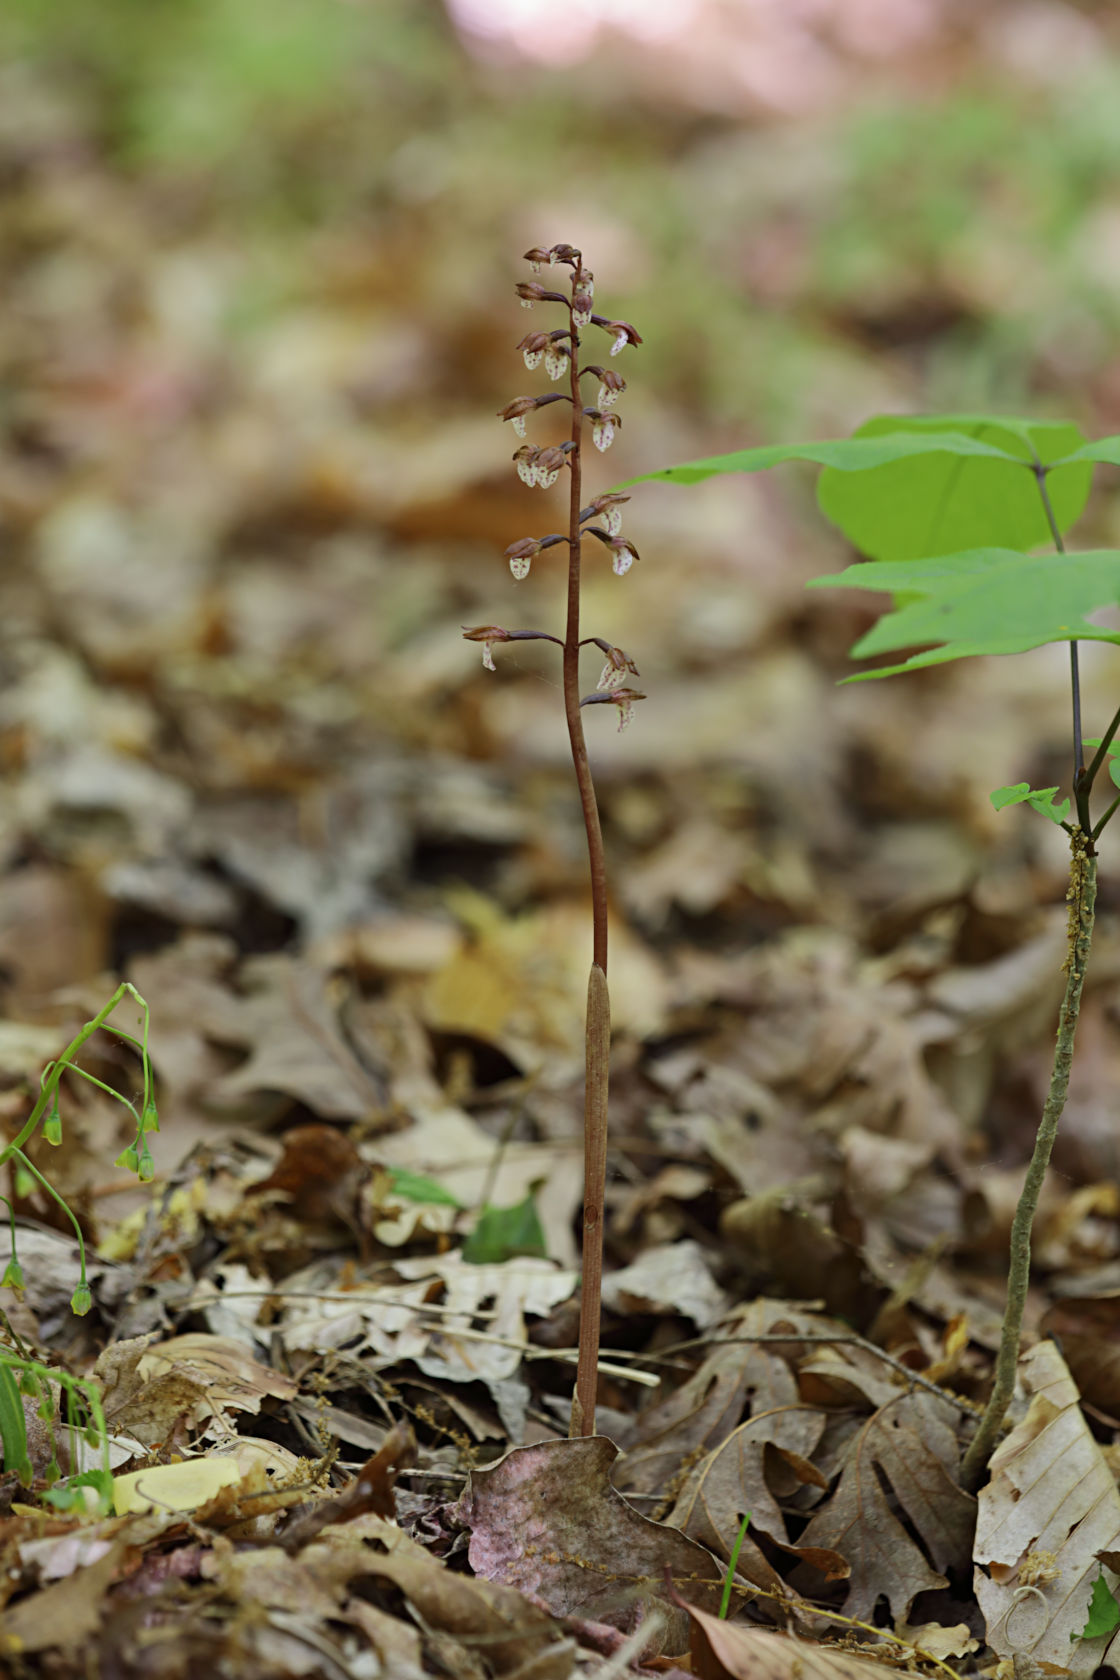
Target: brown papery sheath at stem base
594, 1179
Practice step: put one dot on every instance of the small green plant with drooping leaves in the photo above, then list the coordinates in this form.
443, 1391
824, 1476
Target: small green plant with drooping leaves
74, 1400
948, 509
559, 350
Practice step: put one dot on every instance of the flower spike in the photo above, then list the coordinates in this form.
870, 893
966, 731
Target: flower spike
560, 350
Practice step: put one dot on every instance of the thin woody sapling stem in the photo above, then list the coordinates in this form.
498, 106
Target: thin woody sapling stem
1082, 900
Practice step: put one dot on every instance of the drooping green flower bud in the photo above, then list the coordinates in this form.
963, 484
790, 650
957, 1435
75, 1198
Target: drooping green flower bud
81, 1300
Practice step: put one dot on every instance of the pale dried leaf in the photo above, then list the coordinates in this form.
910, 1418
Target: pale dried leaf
1051, 1494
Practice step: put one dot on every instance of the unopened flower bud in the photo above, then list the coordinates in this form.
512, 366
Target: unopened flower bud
533, 347
13, 1275
619, 666
611, 387
81, 1300
487, 634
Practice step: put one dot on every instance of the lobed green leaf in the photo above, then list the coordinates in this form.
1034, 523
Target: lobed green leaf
855, 454
1106, 449
1104, 1612
986, 601
1040, 799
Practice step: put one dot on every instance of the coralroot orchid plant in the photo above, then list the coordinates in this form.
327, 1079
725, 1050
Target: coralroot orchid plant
19, 1374
947, 507
559, 349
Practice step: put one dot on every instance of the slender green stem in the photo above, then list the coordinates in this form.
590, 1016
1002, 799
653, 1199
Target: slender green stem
1101, 753
117, 1096
1082, 902
51, 1084
63, 1204
1107, 817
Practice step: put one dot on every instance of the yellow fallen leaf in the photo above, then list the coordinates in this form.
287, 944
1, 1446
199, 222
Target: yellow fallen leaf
178, 1487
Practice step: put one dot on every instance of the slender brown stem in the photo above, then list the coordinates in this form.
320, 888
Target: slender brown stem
580, 763
598, 1005
1082, 901
594, 1188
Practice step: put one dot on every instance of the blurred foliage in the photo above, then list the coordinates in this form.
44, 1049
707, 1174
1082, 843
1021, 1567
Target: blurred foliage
951, 250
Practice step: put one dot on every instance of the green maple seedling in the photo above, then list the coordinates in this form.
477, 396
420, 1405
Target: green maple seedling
947, 509
78, 1402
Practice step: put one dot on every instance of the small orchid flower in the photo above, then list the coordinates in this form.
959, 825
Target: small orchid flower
623, 698
581, 307
537, 256
603, 427
556, 361
624, 333
488, 634
521, 554
516, 411
563, 253
611, 387
624, 554
619, 666
609, 508
526, 459
533, 347
548, 464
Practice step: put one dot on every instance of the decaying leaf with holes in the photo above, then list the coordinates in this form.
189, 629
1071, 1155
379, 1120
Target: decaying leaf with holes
1049, 1511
